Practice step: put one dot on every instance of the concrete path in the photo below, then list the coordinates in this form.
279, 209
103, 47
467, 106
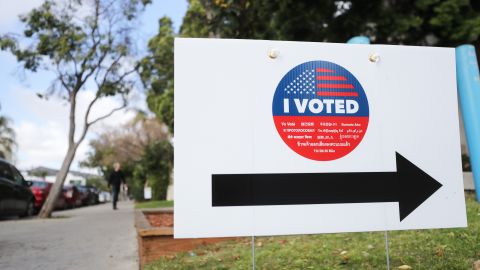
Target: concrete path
94, 237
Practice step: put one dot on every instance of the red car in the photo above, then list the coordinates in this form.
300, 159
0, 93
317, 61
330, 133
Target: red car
40, 190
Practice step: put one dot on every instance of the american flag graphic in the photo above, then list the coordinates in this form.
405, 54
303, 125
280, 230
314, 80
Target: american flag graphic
321, 82
320, 110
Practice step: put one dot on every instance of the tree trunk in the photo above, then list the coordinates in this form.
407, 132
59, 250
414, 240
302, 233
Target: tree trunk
57, 187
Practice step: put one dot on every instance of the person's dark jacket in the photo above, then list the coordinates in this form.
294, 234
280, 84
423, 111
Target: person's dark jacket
116, 178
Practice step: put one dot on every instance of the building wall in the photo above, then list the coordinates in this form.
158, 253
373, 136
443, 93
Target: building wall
71, 179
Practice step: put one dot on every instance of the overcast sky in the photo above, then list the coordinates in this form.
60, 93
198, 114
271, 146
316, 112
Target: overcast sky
41, 125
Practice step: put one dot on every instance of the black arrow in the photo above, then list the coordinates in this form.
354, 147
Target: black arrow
409, 186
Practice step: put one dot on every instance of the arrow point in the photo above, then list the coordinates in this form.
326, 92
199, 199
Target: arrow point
415, 186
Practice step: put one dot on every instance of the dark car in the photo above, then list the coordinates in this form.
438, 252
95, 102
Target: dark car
40, 190
72, 196
95, 194
88, 194
16, 198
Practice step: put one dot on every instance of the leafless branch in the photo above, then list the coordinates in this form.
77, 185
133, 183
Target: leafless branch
123, 106
62, 80
87, 124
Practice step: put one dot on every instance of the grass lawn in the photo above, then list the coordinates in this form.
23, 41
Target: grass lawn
153, 204
445, 249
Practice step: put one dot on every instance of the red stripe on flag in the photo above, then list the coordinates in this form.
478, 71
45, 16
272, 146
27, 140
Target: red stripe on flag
332, 78
324, 70
335, 85
338, 94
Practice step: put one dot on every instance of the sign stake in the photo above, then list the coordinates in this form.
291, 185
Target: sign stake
253, 252
386, 250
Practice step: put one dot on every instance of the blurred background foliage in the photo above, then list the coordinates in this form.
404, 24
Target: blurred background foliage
408, 22
143, 149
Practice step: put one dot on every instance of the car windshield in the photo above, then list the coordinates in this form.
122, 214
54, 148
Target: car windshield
39, 184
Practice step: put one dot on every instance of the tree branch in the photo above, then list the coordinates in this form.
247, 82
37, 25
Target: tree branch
87, 123
89, 108
107, 72
72, 127
62, 81
124, 105
125, 74
91, 52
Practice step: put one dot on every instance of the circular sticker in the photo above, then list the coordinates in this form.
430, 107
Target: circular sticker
320, 110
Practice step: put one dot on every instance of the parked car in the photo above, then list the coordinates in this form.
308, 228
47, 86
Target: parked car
88, 195
104, 197
72, 196
16, 198
40, 190
96, 192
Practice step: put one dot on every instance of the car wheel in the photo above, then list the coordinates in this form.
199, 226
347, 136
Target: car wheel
30, 210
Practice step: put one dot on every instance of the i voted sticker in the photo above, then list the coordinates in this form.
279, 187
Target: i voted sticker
320, 110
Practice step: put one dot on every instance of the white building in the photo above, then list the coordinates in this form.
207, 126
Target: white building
49, 175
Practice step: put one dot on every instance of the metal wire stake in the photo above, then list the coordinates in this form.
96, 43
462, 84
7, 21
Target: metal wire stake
253, 252
386, 249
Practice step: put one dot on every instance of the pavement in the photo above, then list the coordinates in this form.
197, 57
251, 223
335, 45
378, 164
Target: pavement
94, 237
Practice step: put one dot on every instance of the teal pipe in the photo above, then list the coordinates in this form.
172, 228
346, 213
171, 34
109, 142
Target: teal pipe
468, 82
359, 40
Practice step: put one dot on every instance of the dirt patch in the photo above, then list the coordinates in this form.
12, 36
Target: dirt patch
160, 219
155, 236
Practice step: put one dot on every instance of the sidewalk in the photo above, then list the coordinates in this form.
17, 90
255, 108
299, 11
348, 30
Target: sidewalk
89, 238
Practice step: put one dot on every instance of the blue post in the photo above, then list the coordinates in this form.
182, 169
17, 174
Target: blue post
359, 40
468, 82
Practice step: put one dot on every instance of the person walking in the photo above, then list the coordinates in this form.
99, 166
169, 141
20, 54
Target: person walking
116, 179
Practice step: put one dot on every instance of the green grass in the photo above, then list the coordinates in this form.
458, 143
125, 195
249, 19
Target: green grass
153, 204
445, 249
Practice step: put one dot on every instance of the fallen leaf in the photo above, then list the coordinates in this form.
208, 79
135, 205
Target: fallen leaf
476, 265
440, 251
345, 259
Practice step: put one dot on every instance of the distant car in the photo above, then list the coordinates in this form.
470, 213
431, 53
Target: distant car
96, 194
40, 190
104, 197
88, 195
72, 196
16, 198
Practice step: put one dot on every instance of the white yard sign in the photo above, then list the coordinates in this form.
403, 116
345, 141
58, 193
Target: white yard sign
275, 138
